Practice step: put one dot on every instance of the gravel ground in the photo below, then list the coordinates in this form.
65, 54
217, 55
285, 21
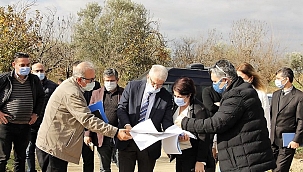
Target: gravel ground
163, 165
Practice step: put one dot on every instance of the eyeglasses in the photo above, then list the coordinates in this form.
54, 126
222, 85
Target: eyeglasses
155, 84
221, 70
89, 79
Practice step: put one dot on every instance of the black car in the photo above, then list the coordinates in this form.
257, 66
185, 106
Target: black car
196, 71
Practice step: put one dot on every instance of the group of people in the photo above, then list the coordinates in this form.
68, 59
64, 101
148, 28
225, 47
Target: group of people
234, 125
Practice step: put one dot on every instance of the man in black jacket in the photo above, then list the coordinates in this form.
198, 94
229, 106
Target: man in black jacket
21, 101
48, 87
242, 135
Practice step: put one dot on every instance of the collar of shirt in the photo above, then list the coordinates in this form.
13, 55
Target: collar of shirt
288, 90
20, 79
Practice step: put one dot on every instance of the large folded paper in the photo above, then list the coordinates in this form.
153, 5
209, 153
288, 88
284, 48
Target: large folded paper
145, 134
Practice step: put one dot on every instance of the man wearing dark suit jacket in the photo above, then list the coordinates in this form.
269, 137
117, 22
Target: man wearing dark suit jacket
287, 114
159, 110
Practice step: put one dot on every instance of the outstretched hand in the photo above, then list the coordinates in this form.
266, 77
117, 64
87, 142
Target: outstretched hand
123, 134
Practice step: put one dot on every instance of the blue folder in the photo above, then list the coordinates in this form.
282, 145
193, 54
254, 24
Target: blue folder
287, 138
98, 110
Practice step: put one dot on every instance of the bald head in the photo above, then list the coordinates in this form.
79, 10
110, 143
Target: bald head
38, 69
37, 66
82, 68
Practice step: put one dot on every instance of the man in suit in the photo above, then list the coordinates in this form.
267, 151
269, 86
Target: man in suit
287, 114
130, 112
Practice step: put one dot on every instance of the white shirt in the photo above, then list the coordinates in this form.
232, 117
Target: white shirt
151, 101
177, 120
265, 105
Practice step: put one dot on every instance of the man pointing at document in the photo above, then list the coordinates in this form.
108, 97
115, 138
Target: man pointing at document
60, 136
142, 100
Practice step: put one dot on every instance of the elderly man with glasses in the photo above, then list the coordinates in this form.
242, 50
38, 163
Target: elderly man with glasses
142, 100
60, 136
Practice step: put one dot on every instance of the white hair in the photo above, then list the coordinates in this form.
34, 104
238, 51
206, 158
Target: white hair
81, 68
158, 71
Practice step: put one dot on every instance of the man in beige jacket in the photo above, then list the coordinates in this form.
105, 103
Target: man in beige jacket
60, 136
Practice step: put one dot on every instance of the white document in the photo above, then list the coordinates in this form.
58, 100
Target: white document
145, 134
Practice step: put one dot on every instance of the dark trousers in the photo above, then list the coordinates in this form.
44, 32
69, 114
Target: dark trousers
185, 162
131, 154
49, 163
283, 157
30, 151
18, 135
88, 159
105, 153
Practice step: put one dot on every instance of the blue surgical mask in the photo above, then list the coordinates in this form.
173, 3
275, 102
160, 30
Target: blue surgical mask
24, 71
179, 101
40, 75
279, 84
217, 88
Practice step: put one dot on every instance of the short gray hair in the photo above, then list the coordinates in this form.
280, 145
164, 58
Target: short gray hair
158, 71
110, 72
82, 67
223, 68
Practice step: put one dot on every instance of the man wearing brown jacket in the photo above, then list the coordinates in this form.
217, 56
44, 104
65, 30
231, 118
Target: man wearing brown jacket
60, 136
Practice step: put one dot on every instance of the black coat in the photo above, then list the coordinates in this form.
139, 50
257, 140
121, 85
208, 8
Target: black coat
48, 87
202, 145
209, 97
243, 142
287, 117
36, 87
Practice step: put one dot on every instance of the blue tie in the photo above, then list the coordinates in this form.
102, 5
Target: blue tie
144, 107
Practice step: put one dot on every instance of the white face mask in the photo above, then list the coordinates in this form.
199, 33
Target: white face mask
89, 86
40, 75
110, 85
151, 89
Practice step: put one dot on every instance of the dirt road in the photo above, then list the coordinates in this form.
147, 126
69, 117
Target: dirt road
162, 165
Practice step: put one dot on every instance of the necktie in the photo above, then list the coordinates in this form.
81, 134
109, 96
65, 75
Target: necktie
144, 107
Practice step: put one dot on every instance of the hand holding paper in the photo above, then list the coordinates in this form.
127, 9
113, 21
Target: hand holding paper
123, 134
145, 134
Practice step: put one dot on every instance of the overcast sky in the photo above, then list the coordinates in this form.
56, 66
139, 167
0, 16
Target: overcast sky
190, 18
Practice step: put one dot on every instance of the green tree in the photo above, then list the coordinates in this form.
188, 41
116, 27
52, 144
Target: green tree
18, 32
120, 35
296, 64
